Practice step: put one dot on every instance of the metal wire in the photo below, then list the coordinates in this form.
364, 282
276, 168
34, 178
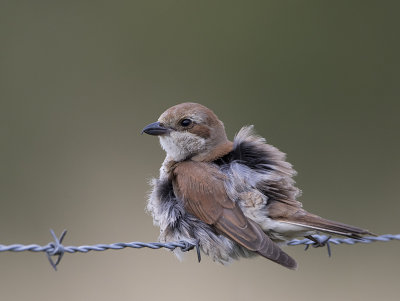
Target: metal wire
57, 249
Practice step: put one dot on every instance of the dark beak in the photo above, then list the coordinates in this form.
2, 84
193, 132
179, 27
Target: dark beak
155, 129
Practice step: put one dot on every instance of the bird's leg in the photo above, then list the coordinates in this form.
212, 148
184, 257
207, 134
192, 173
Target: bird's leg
319, 243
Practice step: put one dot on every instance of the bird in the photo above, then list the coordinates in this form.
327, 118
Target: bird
233, 198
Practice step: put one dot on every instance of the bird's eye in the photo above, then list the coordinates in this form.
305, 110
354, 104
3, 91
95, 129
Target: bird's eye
186, 122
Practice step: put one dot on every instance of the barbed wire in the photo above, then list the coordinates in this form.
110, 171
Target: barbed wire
57, 249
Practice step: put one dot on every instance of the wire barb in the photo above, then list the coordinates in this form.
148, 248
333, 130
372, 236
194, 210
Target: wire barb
189, 246
319, 241
56, 248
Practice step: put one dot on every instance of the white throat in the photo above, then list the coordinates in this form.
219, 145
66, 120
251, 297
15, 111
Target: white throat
181, 145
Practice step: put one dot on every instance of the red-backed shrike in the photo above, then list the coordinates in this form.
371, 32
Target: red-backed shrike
237, 199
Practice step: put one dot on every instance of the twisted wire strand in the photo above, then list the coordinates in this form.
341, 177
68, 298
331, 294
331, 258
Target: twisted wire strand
56, 248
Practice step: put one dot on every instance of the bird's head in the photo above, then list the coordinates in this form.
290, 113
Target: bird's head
190, 130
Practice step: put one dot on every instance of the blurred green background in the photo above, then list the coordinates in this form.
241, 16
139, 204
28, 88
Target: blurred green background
79, 80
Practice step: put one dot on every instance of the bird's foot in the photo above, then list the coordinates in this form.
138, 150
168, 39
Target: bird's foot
317, 243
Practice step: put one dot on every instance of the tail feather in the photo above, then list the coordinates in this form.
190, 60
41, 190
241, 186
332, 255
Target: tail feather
316, 222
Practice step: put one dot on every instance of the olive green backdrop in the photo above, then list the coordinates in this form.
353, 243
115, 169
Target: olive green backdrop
80, 79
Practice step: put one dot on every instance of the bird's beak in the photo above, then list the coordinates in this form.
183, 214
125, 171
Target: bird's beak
155, 129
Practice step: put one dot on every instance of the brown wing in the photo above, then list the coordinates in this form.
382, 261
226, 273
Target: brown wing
297, 216
201, 186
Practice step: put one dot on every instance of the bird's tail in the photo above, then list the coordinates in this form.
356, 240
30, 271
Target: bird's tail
315, 222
